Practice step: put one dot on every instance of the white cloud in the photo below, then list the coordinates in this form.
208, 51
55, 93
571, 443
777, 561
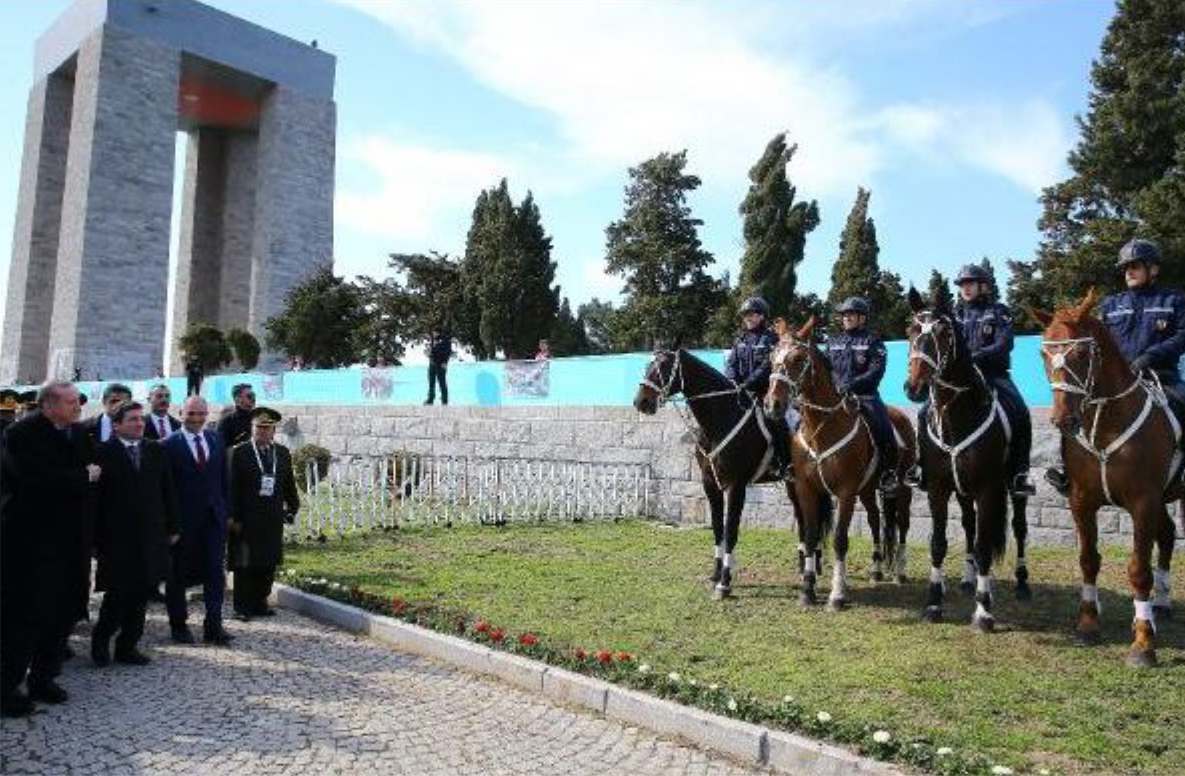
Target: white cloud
598, 282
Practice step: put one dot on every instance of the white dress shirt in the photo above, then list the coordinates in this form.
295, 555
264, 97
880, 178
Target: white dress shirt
161, 424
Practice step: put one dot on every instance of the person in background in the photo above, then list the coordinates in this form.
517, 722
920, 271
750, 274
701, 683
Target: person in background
440, 350
136, 522
263, 498
193, 377
198, 461
544, 352
235, 427
159, 424
10, 402
100, 426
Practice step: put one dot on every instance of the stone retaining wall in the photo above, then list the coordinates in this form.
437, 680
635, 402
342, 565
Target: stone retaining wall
623, 435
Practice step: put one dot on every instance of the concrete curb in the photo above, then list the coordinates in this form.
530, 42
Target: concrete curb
778, 750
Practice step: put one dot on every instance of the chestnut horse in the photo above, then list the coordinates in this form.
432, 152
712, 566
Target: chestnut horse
964, 447
733, 447
1121, 445
835, 458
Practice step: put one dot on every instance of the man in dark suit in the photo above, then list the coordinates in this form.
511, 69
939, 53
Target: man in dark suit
99, 427
198, 461
159, 424
136, 521
44, 545
440, 350
263, 498
235, 427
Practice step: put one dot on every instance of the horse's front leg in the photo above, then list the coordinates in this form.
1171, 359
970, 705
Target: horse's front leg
875, 522
715, 498
815, 506
839, 575
1020, 532
967, 508
734, 505
1086, 521
939, 512
1146, 520
990, 537
1162, 599
901, 526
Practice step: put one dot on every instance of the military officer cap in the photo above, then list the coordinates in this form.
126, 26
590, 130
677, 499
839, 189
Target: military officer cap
1138, 251
29, 399
855, 304
264, 416
10, 400
972, 273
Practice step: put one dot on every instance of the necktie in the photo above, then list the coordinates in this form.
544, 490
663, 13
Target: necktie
134, 454
267, 458
160, 422
201, 451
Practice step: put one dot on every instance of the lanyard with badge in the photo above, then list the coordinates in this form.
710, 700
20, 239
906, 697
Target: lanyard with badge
267, 482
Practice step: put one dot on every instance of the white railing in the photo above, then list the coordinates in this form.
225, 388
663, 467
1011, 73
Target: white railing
364, 493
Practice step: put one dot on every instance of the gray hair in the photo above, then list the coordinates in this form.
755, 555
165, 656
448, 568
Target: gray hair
52, 391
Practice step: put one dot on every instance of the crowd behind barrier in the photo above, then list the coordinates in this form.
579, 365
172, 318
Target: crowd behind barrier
587, 381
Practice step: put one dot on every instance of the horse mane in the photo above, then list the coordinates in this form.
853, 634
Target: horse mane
1080, 319
708, 370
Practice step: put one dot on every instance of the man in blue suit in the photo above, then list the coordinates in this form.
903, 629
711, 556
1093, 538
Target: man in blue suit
198, 461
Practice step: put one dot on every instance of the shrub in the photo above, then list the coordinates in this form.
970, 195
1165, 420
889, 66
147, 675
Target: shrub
301, 458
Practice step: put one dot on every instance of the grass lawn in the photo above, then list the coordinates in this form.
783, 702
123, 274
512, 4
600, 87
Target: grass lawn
1025, 695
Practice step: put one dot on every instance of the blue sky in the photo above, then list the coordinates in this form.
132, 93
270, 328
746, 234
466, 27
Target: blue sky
955, 114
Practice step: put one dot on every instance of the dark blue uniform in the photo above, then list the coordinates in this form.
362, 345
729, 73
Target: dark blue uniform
858, 359
1149, 324
748, 363
987, 328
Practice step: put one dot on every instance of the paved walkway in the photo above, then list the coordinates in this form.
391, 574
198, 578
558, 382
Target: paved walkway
295, 697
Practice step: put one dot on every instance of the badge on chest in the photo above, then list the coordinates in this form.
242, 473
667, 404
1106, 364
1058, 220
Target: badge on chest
1162, 324
267, 486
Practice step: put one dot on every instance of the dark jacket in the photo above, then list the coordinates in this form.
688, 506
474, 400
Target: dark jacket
150, 430
1148, 322
440, 349
137, 513
987, 328
235, 428
748, 363
261, 541
858, 361
202, 505
93, 427
48, 527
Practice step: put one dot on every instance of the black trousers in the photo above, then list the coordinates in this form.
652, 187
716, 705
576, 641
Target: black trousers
193, 385
437, 373
31, 648
122, 615
253, 586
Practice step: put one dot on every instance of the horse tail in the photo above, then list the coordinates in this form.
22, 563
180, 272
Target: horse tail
997, 532
826, 517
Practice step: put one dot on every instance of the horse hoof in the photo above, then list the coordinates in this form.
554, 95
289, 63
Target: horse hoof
877, 576
967, 588
932, 614
1162, 613
837, 604
1142, 658
1024, 592
1088, 638
720, 592
806, 598
983, 624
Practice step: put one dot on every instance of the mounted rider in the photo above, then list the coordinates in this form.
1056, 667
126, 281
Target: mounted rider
987, 330
749, 365
1148, 324
858, 359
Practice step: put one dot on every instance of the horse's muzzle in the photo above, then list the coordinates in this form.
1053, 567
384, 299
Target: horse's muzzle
647, 405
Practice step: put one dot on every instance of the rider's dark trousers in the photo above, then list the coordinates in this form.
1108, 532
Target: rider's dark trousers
877, 415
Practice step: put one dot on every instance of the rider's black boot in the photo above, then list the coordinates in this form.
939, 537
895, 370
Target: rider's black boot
1057, 478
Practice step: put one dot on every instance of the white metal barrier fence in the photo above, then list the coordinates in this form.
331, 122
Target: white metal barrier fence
364, 493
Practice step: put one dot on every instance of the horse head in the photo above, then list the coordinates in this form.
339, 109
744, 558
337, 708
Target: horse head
1072, 348
791, 367
935, 344
663, 379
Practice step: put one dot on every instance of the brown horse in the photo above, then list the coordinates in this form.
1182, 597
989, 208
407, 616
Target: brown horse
1121, 445
835, 458
964, 448
733, 447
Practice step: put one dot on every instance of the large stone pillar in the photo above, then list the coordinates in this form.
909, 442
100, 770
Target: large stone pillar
35, 239
293, 199
112, 269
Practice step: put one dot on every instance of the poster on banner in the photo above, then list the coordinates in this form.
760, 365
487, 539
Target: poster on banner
377, 383
527, 378
273, 387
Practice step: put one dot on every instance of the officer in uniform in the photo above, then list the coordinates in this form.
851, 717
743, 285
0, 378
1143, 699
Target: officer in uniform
749, 366
858, 359
1148, 323
987, 330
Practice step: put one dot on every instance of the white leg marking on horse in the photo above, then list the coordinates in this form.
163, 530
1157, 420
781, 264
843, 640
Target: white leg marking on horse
1144, 612
719, 552
839, 580
809, 565
982, 613
1161, 588
983, 584
1090, 595
936, 577
969, 569
729, 561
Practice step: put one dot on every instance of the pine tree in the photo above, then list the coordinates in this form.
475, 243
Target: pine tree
775, 229
655, 247
993, 287
857, 270
1127, 165
939, 290
567, 333
596, 320
320, 322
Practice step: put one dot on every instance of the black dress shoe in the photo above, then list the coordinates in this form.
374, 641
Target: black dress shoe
183, 635
48, 692
100, 651
219, 638
16, 705
131, 657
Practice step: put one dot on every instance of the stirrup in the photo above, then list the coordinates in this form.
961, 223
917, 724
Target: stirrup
888, 482
1057, 478
913, 477
1022, 485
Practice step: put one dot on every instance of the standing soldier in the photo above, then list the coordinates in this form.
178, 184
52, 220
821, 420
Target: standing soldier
749, 366
263, 498
440, 350
1148, 323
858, 359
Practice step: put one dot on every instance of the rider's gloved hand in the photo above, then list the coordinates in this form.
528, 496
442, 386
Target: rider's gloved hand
1140, 363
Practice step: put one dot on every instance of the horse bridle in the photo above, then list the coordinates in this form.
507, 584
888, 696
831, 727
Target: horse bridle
927, 322
1057, 361
664, 392
779, 374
